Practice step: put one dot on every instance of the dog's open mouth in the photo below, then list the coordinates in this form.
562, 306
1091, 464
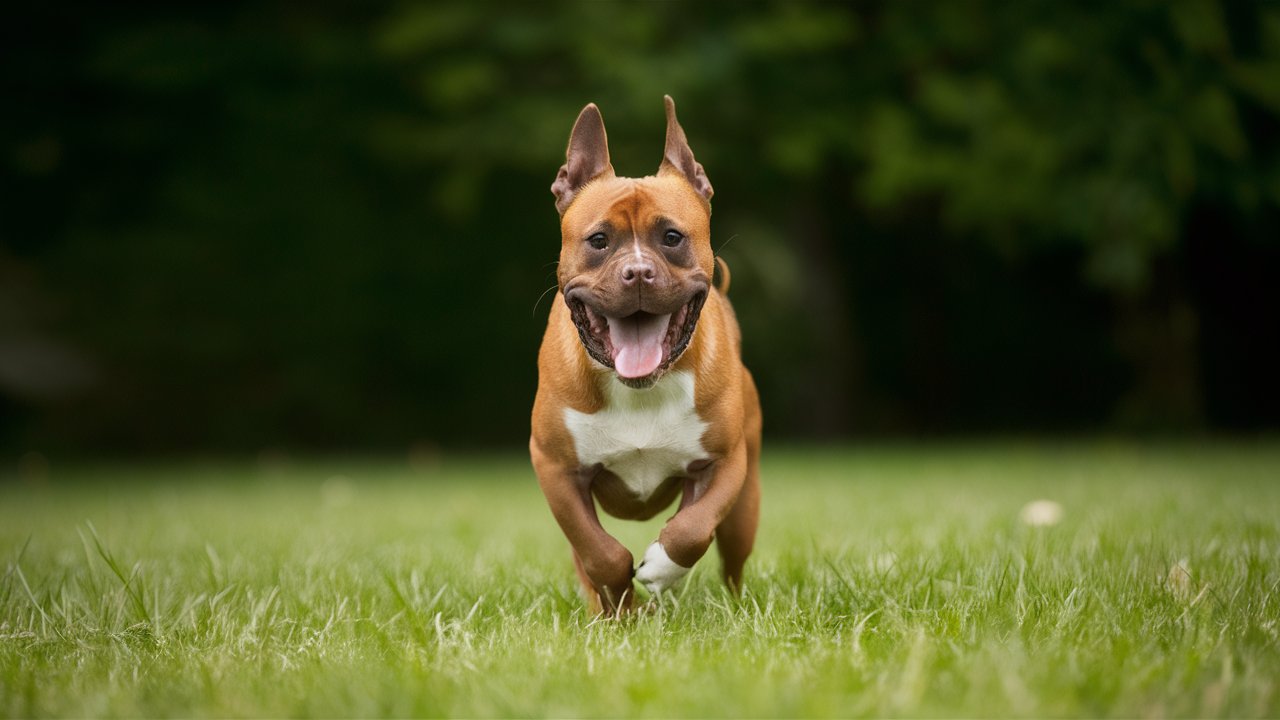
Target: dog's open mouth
639, 345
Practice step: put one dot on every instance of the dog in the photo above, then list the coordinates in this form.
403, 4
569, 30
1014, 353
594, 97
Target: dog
642, 395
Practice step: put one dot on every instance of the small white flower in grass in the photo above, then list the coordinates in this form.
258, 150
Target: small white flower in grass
884, 562
1041, 513
336, 492
1178, 581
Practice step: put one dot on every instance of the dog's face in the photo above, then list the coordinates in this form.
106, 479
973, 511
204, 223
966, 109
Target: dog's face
635, 256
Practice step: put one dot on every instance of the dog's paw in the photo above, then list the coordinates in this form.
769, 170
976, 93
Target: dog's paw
657, 572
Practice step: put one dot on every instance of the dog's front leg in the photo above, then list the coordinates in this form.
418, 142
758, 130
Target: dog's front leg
686, 536
605, 562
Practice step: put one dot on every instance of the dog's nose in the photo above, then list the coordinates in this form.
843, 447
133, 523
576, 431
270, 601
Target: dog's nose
639, 270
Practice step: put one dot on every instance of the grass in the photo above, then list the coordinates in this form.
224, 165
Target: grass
887, 581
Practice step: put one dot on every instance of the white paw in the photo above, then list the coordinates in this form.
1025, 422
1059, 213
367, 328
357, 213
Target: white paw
657, 572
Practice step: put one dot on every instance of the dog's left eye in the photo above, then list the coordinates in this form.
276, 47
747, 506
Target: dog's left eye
672, 238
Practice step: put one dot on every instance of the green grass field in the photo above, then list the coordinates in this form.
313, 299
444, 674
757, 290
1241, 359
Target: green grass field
886, 581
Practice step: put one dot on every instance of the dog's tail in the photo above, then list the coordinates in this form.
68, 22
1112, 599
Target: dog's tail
723, 287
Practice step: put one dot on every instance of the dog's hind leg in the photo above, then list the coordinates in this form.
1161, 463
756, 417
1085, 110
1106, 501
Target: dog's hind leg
736, 534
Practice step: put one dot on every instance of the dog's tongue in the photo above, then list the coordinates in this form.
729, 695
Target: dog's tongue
637, 343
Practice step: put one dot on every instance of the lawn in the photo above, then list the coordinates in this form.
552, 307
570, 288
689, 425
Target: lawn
888, 580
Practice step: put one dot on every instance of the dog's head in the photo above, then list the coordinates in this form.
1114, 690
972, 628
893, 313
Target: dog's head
635, 256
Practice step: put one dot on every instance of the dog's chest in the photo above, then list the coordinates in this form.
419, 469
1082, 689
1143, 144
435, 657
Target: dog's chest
641, 436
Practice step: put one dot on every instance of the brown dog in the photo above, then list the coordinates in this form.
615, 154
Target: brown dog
642, 395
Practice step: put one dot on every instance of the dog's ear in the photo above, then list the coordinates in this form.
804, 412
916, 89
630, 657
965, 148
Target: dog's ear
586, 158
678, 158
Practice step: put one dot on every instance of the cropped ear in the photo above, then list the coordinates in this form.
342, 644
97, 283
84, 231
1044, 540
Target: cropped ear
586, 158
678, 158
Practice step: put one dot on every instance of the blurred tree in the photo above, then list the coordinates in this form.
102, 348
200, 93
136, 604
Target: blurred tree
1016, 128
1049, 123
251, 224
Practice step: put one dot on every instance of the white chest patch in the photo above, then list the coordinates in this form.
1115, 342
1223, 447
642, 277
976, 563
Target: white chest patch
642, 436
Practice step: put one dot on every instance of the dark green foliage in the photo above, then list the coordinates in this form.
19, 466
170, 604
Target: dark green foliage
232, 226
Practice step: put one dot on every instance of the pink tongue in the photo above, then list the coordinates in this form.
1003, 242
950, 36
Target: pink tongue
637, 343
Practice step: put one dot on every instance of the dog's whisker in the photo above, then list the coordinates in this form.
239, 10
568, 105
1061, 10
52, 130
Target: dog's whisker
539, 300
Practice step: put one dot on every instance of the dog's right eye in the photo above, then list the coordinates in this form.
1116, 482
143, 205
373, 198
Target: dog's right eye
598, 241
